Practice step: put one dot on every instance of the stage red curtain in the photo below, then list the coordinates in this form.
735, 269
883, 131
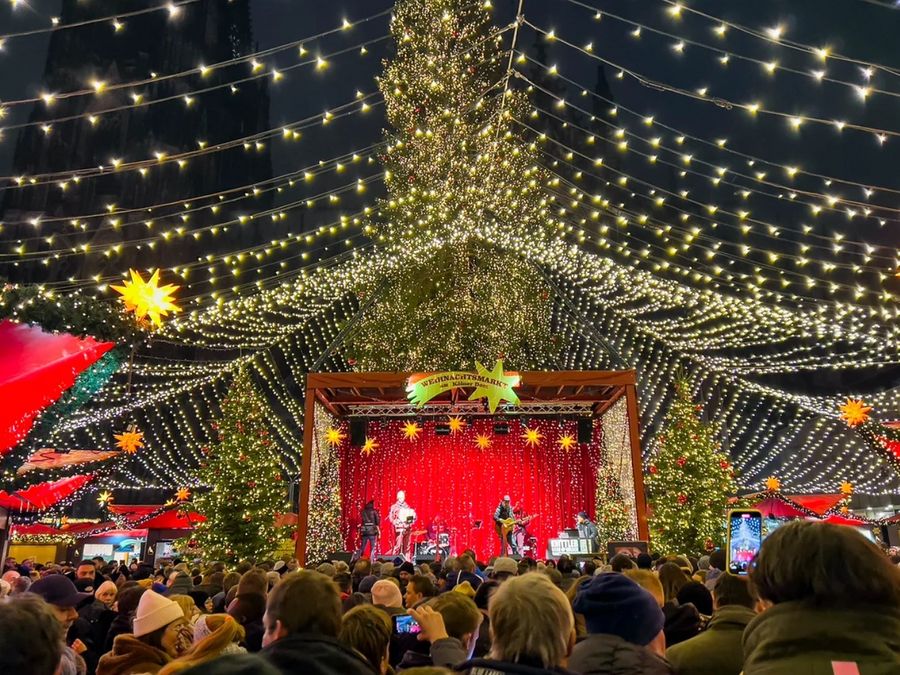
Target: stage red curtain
451, 477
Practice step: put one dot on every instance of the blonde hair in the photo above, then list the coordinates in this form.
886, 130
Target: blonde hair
530, 617
187, 604
649, 582
224, 631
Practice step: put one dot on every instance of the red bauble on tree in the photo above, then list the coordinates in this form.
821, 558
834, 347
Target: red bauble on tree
682, 499
681, 461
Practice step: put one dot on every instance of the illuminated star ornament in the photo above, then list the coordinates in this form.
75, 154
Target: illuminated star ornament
501, 391
456, 424
483, 441
411, 430
334, 437
854, 412
846, 488
369, 447
131, 440
183, 494
532, 437
148, 298
566, 442
773, 484
104, 498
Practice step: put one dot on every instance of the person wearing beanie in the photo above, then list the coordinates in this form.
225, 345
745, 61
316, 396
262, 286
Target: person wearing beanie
366, 584
160, 634
625, 629
386, 595
179, 583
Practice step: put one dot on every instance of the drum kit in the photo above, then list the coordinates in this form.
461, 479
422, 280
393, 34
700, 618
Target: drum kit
435, 543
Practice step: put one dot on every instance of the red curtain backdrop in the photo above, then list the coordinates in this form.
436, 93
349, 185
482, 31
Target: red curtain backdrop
451, 477
35, 369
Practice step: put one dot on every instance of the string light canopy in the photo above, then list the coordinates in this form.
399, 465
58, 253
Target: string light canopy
685, 268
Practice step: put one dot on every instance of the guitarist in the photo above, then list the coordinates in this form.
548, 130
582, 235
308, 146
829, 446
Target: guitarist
504, 519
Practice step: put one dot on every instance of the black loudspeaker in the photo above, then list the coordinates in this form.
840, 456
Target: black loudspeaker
441, 429
342, 556
358, 430
585, 430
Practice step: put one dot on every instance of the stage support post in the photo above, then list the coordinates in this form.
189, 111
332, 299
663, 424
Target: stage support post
637, 461
305, 473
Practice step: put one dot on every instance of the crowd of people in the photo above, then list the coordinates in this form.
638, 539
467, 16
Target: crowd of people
819, 599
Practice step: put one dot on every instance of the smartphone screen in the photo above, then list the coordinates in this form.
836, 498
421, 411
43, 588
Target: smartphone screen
744, 540
405, 624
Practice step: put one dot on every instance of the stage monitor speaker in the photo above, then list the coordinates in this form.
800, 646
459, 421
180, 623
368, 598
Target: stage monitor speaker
501, 428
585, 430
342, 556
358, 430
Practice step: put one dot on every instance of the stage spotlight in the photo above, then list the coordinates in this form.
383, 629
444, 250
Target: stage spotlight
501, 428
441, 429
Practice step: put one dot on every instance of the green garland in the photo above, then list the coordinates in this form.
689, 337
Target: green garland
75, 313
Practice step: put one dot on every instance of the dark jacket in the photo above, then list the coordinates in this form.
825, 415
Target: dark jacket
314, 655
445, 653
717, 650
601, 654
491, 667
682, 622
587, 530
793, 638
371, 521
454, 579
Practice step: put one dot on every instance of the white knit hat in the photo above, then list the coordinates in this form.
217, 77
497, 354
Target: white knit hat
153, 612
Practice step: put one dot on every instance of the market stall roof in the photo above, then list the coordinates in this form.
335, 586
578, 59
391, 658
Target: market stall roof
43, 495
157, 517
36, 367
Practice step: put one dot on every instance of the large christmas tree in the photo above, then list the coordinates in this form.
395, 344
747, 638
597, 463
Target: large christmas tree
689, 481
242, 474
458, 174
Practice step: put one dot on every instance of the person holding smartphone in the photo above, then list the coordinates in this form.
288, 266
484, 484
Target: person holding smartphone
450, 625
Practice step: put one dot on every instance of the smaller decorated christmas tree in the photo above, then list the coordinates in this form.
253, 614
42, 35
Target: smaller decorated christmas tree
246, 489
614, 521
689, 482
324, 534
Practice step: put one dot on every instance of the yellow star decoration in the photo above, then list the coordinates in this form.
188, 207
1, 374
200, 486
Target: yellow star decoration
369, 447
483, 441
183, 494
105, 497
456, 424
532, 437
773, 484
334, 437
854, 412
148, 298
130, 440
846, 488
169, 502
411, 430
566, 442
495, 394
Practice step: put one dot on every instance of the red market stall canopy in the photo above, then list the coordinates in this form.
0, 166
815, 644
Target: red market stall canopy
35, 369
43, 495
777, 505
156, 517
76, 530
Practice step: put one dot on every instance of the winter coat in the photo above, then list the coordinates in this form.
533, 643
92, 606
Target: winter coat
492, 667
445, 653
130, 656
315, 655
794, 638
717, 650
602, 654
